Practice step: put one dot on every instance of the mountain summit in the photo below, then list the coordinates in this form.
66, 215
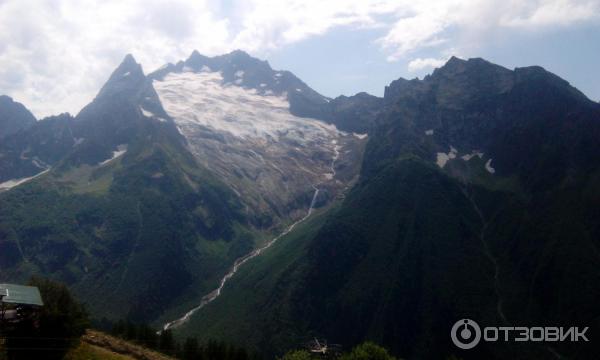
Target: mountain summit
13, 117
125, 80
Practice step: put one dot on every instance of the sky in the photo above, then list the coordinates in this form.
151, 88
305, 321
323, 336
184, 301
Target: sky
56, 54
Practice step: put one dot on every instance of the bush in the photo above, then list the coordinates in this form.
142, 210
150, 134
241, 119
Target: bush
297, 355
368, 351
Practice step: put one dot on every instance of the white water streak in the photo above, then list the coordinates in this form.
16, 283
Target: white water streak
206, 299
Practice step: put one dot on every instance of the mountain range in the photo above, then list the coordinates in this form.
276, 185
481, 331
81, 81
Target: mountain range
471, 193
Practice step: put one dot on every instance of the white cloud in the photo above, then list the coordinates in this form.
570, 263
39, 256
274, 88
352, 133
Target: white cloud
551, 13
271, 24
432, 23
55, 54
425, 63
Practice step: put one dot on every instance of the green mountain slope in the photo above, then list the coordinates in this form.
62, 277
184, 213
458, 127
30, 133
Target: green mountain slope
417, 245
151, 216
402, 259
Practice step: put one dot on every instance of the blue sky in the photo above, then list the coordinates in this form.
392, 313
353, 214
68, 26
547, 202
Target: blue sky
346, 61
56, 54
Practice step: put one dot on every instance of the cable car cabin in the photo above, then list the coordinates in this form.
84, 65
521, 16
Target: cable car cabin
322, 349
19, 303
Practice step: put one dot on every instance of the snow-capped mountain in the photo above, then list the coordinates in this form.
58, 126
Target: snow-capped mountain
236, 114
190, 167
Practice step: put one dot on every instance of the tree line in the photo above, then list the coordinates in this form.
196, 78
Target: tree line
189, 349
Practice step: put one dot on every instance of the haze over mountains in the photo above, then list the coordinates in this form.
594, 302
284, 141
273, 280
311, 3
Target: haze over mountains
472, 193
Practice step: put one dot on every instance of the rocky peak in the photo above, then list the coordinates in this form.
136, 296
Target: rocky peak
128, 68
197, 60
13, 116
126, 105
240, 54
397, 87
127, 78
537, 76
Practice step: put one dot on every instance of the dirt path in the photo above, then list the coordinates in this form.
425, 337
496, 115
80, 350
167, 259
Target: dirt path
122, 347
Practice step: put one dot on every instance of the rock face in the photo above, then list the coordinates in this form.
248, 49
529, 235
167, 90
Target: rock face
13, 117
356, 113
36, 148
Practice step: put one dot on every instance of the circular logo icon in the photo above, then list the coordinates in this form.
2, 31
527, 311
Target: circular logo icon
465, 334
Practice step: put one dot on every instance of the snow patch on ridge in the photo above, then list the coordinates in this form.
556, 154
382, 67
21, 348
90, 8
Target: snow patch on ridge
442, 158
429, 132
474, 153
360, 136
39, 163
150, 114
7, 185
488, 167
146, 112
121, 149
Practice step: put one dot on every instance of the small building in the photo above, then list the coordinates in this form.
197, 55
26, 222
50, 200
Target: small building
18, 303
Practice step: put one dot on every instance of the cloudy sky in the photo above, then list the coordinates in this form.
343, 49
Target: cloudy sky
56, 54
